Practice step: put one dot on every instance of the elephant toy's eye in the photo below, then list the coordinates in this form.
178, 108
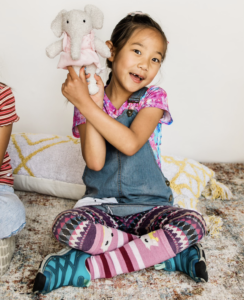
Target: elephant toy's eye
84, 21
67, 21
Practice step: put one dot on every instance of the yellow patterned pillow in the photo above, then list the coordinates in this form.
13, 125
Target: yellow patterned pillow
189, 179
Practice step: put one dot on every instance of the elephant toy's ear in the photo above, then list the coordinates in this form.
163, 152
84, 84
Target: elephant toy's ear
56, 25
96, 16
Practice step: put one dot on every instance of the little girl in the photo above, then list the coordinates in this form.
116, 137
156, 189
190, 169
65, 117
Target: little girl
12, 212
126, 221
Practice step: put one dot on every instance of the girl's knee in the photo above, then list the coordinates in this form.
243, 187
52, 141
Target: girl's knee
191, 218
200, 223
192, 214
65, 223
11, 206
66, 216
201, 220
12, 214
61, 218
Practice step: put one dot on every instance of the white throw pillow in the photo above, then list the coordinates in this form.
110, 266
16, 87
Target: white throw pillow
47, 164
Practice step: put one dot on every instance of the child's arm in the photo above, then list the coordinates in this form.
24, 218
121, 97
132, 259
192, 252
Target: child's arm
93, 146
126, 140
5, 132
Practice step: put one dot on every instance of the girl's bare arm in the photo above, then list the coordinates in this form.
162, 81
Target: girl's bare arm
5, 132
127, 140
93, 146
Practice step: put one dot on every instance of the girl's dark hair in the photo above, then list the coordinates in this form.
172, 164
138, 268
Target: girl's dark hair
124, 30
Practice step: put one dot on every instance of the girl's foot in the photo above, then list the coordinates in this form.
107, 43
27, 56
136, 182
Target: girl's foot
64, 268
191, 261
7, 247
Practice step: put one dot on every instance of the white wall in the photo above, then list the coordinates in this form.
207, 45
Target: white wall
203, 72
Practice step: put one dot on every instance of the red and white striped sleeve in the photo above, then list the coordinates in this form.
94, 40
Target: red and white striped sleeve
7, 116
7, 106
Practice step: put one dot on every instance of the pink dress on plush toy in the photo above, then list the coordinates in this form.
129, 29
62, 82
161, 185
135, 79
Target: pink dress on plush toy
88, 55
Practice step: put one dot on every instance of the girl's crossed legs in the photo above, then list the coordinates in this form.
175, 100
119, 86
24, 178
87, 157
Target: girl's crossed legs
131, 243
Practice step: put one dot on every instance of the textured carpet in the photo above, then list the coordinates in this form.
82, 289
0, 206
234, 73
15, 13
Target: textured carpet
225, 254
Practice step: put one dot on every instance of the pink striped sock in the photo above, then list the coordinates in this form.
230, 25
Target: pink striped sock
108, 239
144, 252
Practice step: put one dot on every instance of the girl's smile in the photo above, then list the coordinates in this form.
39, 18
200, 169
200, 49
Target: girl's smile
136, 78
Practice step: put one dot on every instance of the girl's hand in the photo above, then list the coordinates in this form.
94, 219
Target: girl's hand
75, 88
98, 97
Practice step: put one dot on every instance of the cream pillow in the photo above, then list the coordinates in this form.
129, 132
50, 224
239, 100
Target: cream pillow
53, 165
47, 164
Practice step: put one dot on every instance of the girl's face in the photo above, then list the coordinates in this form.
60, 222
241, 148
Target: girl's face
138, 62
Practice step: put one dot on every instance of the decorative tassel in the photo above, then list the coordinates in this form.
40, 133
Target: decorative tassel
214, 225
216, 190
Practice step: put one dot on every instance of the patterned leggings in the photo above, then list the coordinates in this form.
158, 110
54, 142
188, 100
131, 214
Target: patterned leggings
126, 244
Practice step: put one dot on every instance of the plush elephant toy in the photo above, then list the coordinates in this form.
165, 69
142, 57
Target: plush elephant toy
79, 46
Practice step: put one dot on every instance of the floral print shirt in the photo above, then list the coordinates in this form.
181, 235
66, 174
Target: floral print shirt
154, 97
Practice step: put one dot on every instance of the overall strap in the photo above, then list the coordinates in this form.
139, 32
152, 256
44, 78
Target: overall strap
136, 97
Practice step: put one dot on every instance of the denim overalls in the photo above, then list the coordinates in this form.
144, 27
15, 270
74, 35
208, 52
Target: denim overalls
135, 181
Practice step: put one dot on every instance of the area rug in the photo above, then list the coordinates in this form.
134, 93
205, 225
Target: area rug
225, 254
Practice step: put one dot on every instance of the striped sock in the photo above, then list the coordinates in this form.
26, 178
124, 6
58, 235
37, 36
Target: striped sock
144, 252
